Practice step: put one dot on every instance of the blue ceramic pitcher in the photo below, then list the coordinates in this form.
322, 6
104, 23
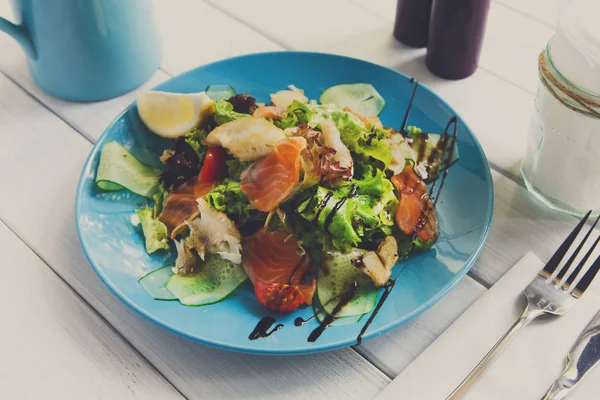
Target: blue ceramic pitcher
87, 50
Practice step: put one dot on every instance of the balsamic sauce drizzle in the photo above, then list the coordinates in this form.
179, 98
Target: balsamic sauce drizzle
321, 206
441, 145
388, 289
420, 147
353, 191
262, 328
345, 298
412, 98
301, 321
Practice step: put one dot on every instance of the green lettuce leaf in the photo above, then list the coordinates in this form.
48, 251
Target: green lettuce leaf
160, 198
359, 217
229, 198
311, 240
194, 138
236, 167
224, 113
354, 134
413, 130
155, 232
407, 244
296, 114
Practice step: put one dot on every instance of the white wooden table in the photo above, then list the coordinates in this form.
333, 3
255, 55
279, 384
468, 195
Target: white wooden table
63, 335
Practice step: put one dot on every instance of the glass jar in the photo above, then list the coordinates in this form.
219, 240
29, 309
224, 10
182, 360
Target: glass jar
562, 162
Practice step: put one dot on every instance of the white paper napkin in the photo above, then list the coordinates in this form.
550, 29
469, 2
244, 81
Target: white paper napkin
527, 367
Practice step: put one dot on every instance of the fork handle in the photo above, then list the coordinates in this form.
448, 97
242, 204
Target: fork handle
530, 313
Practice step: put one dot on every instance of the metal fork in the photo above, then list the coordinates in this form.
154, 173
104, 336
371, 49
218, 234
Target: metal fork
549, 293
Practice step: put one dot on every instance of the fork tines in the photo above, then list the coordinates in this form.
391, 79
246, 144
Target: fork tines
556, 259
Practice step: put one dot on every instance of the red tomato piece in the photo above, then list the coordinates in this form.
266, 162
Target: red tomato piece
214, 167
279, 297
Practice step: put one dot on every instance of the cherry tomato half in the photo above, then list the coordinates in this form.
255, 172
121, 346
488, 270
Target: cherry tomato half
279, 296
214, 167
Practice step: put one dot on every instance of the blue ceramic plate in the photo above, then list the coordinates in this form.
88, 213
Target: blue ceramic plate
116, 251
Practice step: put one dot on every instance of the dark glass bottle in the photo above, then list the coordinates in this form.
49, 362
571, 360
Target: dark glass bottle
456, 31
412, 22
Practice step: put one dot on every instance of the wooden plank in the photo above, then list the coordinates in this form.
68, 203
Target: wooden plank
51, 337
498, 113
520, 224
195, 33
40, 172
395, 350
545, 11
511, 46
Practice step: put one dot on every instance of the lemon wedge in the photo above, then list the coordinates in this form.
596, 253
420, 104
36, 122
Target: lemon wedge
173, 114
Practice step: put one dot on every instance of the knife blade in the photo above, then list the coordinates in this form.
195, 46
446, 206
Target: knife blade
582, 357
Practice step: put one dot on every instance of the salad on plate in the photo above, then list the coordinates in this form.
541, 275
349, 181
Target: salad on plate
313, 202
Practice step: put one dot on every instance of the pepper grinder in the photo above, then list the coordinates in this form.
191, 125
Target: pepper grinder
456, 31
412, 22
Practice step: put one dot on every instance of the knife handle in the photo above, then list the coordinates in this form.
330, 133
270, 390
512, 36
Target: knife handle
557, 391
582, 357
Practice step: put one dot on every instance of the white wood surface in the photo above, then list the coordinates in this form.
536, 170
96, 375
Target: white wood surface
50, 152
395, 350
510, 54
545, 11
520, 223
53, 345
195, 33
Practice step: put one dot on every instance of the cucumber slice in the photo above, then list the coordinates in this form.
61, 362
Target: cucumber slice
214, 281
119, 169
155, 281
362, 98
220, 92
321, 314
436, 153
337, 276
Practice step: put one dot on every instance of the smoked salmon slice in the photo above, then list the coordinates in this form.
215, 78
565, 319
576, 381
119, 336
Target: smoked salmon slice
274, 112
271, 180
415, 213
181, 205
272, 258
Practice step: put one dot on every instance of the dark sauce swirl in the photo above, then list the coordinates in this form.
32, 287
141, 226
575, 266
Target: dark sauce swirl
388, 289
262, 328
353, 191
410, 104
301, 321
441, 146
321, 206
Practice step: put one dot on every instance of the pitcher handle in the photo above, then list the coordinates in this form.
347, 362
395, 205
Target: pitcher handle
20, 34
